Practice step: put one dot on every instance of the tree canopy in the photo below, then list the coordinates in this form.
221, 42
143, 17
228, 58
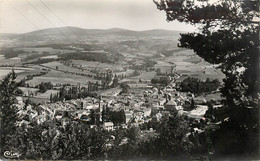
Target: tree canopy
229, 37
8, 90
197, 86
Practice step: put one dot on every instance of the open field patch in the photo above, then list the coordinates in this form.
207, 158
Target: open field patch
208, 97
57, 77
24, 74
18, 70
165, 66
127, 72
145, 76
11, 61
193, 66
91, 65
50, 57
2, 57
41, 50
64, 68
193, 59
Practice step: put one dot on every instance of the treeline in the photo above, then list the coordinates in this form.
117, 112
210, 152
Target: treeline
44, 86
10, 52
41, 61
37, 56
147, 64
163, 80
76, 140
30, 77
196, 86
72, 93
86, 47
117, 117
69, 92
170, 52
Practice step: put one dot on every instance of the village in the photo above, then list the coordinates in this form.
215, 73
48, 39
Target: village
139, 103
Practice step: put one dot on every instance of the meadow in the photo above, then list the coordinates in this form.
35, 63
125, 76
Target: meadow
57, 77
20, 71
144, 76
64, 68
190, 65
91, 65
41, 50
164, 66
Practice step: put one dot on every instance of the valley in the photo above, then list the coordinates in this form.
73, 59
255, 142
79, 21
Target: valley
79, 60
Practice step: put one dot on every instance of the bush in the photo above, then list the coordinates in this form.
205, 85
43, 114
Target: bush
196, 86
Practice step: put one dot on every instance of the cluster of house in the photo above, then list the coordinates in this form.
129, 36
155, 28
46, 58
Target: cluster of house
139, 106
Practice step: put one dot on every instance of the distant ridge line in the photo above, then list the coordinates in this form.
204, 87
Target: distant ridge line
109, 29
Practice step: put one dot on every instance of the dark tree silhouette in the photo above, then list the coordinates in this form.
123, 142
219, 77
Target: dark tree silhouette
229, 37
8, 90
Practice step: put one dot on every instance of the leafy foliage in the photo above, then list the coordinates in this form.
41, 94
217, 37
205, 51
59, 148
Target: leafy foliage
117, 117
8, 90
196, 86
228, 37
44, 86
164, 80
172, 135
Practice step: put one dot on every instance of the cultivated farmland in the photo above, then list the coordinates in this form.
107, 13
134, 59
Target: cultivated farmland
57, 77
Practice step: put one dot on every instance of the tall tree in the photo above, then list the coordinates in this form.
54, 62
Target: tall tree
115, 81
172, 140
229, 37
8, 90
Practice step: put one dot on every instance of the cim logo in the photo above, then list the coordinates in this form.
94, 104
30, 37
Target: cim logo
11, 155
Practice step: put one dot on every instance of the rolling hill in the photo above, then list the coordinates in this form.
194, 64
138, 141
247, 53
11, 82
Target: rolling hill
113, 31
75, 33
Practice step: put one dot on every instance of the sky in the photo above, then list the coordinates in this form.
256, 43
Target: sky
21, 16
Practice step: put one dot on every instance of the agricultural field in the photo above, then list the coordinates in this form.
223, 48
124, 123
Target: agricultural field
50, 57
127, 72
21, 72
201, 72
126, 54
20, 55
194, 59
2, 57
64, 68
28, 71
193, 66
164, 66
4, 72
42, 50
57, 77
10, 61
145, 76
91, 65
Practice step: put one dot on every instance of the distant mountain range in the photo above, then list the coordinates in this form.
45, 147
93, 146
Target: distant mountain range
79, 32
112, 31
76, 35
